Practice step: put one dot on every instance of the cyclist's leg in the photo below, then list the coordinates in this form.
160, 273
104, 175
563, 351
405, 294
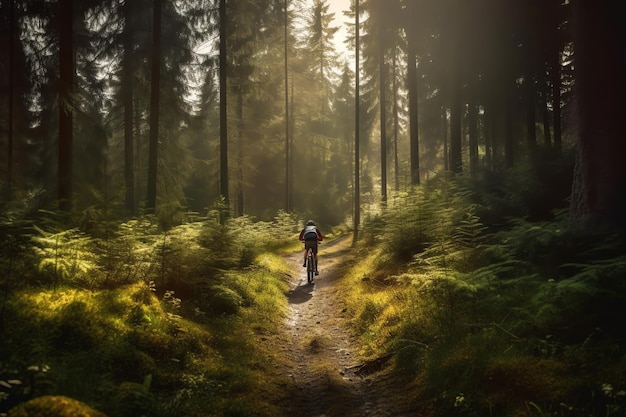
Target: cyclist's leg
307, 245
315, 247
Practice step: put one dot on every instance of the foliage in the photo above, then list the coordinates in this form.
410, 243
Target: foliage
492, 318
146, 305
15, 259
63, 255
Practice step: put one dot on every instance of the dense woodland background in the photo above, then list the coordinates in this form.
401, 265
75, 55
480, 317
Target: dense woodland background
104, 110
143, 142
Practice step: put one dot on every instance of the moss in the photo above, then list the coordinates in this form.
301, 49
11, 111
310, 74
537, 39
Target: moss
54, 406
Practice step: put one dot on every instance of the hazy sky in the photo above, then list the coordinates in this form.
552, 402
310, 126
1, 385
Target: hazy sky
337, 7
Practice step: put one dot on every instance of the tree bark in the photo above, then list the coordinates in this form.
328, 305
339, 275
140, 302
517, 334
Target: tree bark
287, 147
531, 132
66, 88
223, 109
555, 78
472, 121
456, 160
357, 136
413, 105
547, 136
155, 83
11, 108
598, 192
383, 120
129, 159
509, 139
396, 123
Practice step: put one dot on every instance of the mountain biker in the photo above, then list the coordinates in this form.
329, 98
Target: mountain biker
311, 235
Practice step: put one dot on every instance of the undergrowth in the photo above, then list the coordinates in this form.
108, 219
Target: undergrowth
144, 321
493, 319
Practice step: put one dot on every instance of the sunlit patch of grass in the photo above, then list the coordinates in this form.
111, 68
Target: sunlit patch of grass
289, 246
379, 305
273, 262
45, 304
263, 292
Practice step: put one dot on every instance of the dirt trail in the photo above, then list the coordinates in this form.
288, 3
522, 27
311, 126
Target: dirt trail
324, 372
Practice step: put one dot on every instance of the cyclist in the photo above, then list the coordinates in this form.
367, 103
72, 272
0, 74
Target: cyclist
311, 235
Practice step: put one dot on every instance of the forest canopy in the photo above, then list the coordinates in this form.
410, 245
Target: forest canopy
251, 104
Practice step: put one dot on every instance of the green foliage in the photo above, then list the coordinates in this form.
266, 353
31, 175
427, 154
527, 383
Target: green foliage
494, 316
367, 315
15, 255
169, 306
64, 255
126, 256
77, 328
224, 300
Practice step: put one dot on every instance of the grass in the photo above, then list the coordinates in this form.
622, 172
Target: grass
133, 343
498, 323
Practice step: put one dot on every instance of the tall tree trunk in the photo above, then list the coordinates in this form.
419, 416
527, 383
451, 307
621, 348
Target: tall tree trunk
357, 136
11, 108
291, 134
488, 134
129, 159
547, 136
139, 149
509, 141
531, 131
472, 121
223, 109
456, 159
396, 123
383, 120
413, 104
555, 78
287, 147
444, 129
66, 87
155, 83
600, 178
240, 153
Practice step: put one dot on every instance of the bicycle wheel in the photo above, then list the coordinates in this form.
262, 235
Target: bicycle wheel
310, 266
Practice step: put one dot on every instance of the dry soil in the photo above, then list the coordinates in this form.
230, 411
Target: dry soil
325, 377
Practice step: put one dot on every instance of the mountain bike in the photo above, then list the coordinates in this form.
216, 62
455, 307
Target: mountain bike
310, 265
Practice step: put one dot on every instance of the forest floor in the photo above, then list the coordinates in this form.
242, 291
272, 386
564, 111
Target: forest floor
319, 351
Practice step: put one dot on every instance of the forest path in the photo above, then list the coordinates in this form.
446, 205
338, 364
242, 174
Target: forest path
325, 376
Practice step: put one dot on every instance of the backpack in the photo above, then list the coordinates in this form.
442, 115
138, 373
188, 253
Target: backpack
310, 233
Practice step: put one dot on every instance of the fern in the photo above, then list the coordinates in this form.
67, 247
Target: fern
64, 255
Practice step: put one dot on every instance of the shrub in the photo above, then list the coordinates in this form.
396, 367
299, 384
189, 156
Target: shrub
223, 300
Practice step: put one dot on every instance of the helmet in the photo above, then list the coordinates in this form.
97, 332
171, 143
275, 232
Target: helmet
310, 223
